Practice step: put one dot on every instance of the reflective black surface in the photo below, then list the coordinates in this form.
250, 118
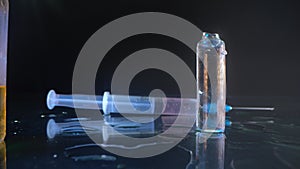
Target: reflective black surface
254, 140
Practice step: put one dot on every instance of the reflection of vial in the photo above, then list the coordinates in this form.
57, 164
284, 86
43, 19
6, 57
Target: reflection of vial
211, 81
210, 151
2, 155
3, 60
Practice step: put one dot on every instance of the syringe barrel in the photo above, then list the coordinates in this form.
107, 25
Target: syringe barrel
74, 101
148, 105
127, 104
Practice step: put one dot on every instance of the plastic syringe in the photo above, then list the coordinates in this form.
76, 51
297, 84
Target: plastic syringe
127, 104
108, 103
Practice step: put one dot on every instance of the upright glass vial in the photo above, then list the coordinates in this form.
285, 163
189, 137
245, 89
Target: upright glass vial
3, 63
211, 83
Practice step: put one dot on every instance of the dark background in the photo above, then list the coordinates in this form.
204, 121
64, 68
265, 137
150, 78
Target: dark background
262, 40
46, 36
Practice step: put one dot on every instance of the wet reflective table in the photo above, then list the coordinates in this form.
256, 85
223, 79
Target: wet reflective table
254, 140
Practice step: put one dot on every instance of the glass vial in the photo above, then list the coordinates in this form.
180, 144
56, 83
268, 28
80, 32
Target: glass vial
3, 64
211, 83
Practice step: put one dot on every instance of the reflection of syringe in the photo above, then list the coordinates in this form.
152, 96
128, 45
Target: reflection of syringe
110, 126
146, 105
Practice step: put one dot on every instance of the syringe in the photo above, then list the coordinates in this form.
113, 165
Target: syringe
121, 103
146, 105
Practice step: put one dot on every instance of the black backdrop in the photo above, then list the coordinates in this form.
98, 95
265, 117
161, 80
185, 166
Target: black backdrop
262, 40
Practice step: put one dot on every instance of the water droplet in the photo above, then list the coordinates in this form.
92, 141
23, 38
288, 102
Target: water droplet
54, 155
51, 115
42, 115
94, 158
120, 166
108, 158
